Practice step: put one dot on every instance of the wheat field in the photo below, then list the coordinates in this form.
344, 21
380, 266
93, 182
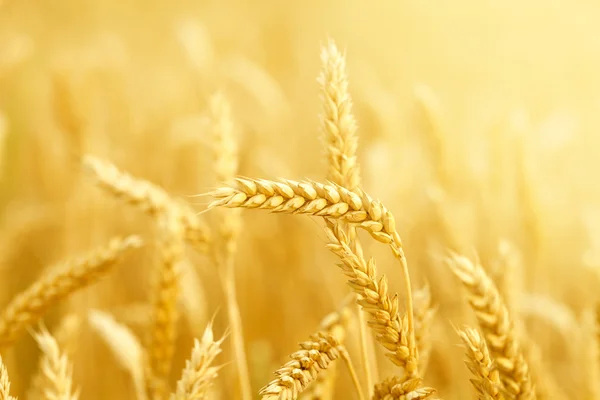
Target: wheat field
299, 200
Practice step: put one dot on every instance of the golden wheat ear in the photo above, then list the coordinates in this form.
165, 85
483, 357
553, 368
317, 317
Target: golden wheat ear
199, 374
63, 280
4, 383
396, 388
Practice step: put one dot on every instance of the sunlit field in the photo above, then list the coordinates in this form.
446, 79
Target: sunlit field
299, 200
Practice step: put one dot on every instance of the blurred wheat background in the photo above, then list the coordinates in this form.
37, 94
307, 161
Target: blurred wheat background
478, 128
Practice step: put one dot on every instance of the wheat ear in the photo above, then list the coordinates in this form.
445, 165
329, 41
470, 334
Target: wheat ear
150, 198
425, 312
225, 166
336, 325
65, 279
496, 326
124, 345
162, 335
65, 335
314, 356
338, 130
395, 388
56, 367
486, 377
4, 383
329, 201
199, 373
391, 330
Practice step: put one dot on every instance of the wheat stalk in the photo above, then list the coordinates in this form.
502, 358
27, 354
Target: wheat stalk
124, 345
496, 325
486, 377
57, 369
4, 383
325, 200
225, 165
395, 388
68, 277
315, 356
150, 198
199, 374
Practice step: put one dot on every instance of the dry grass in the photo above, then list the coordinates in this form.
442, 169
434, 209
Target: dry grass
431, 130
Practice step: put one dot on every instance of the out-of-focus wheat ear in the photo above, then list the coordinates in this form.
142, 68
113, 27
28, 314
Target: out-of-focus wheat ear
199, 374
338, 124
162, 335
425, 313
148, 197
315, 356
4, 383
125, 346
486, 380
336, 325
225, 156
64, 279
3, 140
396, 388
66, 335
496, 325
56, 367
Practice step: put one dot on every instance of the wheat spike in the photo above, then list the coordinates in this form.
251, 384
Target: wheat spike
66, 278
163, 333
496, 326
4, 383
292, 379
199, 373
395, 388
65, 335
150, 198
486, 378
56, 368
124, 345
425, 312
336, 325
391, 330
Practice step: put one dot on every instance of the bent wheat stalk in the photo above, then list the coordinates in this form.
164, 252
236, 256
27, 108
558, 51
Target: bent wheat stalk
29, 306
497, 327
330, 201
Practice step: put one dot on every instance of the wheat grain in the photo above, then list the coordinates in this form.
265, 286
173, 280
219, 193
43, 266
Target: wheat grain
486, 377
425, 312
199, 374
66, 278
57, 369
124, 345
496, 325
395, 388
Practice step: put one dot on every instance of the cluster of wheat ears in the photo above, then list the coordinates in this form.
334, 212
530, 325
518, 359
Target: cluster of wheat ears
503, 361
